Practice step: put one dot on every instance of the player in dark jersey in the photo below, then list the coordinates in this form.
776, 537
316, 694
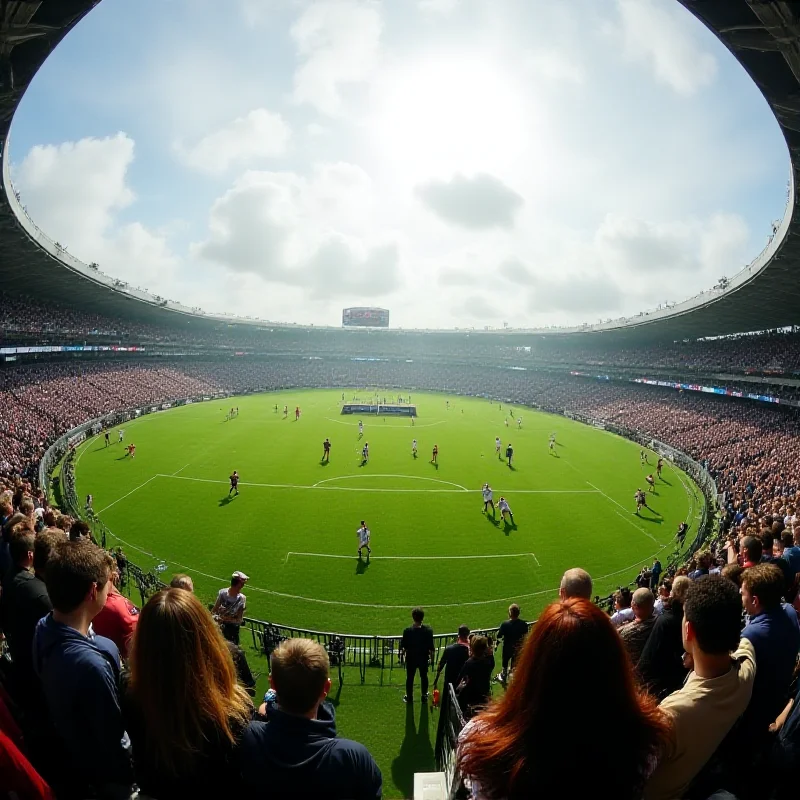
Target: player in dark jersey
234, 483
106, 438
659, 466
509, 453
326, 450
435, 455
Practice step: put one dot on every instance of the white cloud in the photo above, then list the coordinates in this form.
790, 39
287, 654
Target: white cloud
301, 233
478, 309
437, 6
663, 37
480, 202
338, 43
74, 192
553, 66
259, 135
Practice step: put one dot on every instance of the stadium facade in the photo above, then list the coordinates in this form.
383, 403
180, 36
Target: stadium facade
764, 36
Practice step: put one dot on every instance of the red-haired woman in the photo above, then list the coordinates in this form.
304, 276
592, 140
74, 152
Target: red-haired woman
573, 692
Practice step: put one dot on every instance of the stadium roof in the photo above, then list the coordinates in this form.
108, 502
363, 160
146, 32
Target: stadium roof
764, 35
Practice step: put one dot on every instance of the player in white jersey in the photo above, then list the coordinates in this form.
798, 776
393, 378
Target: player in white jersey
365, 453
414, 448
505, 509
487, 498
519, 423
498, 446
360, 429
121, 434
363, 534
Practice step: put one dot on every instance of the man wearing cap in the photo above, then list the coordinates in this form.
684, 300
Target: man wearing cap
230, 606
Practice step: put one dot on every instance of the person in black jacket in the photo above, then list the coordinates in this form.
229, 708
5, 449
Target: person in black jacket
417, 647
512, 632
660, 668
475, 679
453, 659
297, 753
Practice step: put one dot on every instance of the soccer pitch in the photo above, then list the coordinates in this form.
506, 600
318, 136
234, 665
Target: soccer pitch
292, 528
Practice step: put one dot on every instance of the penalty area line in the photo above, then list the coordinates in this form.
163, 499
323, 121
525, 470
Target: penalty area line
414, 558
119, 499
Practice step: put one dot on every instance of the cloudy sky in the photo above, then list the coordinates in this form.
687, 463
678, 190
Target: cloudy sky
460, 162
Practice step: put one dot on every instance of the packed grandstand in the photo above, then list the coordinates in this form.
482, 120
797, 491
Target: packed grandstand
683, 685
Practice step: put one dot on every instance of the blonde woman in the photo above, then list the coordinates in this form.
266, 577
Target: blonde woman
184, 710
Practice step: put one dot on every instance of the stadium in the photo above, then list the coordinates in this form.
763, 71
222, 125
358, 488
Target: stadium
612, 484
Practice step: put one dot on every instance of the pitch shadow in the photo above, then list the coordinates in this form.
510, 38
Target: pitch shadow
361, 566
416, 751
226, 500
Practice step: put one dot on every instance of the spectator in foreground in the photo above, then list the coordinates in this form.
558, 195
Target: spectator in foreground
24, 602
512, 632
475, 679
417, 646
660, 666
181, 581
80, 672
184, 709
715, 693
775, 635
635, 634
576, 582
297, 753
622, 607
572, 667
118, 617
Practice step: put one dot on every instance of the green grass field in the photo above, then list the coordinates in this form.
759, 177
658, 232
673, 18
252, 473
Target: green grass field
293, 526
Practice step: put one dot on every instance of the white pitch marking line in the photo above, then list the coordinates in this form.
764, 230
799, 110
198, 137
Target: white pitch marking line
252, 588
415, 558
175, 474
460, 490
129, 494
641, 530
369, 475
371, 416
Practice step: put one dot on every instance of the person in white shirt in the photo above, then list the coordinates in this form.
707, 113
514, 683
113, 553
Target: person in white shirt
414, 448
505, 509
622, 604
498, 447
121, 434
363, 534
487, 498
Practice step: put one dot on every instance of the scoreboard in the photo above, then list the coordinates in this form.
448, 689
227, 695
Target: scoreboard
365, 318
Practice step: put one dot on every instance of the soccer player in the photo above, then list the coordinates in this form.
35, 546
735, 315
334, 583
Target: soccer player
276, 408
642, 457
552, 447
435, 455
365, 453
106, 438
234, 483
506, 422
448, 405
89, 501
505, 509
296, 413
659, 466
487, 498
285, 411
498, 447
363, 534
651, 483
132, 450
121, 434
641, 500
326, 450
509, 453
360, 429
414, 448
519, 423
